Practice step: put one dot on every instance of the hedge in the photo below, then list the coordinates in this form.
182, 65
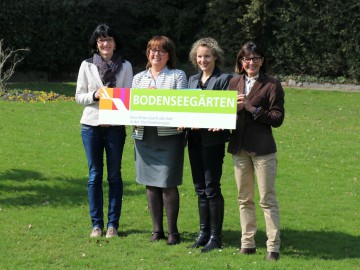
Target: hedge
300, 37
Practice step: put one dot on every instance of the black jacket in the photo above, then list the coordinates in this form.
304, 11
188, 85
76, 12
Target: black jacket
218, 81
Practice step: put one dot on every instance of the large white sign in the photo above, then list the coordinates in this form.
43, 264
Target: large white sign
168, 107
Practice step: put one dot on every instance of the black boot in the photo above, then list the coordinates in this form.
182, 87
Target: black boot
216, 206
204, 234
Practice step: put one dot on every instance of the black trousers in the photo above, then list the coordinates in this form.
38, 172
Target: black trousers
206, 168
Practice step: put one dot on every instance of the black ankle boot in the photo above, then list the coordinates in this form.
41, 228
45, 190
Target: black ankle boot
201, 240
204, 235
213, 243
156, 236
173, 239
216, 207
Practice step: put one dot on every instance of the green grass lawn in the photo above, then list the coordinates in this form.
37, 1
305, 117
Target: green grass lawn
44, 219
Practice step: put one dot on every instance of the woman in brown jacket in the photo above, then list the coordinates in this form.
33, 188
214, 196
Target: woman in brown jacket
260, 107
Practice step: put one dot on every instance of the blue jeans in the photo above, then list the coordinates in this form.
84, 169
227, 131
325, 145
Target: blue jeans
96, 139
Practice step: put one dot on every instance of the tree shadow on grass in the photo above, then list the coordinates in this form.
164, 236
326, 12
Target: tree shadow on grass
27, 188
21, 175
322, 245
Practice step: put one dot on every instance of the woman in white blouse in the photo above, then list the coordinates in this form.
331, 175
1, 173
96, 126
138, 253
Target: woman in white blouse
159, 151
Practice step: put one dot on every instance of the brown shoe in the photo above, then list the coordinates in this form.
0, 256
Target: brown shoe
272, 256
248, 251
96, 232
156, 236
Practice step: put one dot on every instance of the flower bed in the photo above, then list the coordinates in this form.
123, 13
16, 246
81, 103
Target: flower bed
31, 96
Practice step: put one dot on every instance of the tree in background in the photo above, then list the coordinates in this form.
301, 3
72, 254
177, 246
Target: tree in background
57, 32
317, 38
9, 59
179, 20
300, 37
222, 23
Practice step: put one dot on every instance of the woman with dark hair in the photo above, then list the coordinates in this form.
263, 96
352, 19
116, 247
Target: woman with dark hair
252, 145
159, 151
206, 147
106, 68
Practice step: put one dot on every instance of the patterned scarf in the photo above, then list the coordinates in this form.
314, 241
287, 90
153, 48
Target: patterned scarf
107, 71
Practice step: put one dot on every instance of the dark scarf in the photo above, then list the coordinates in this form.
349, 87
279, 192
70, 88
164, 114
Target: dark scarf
107, 71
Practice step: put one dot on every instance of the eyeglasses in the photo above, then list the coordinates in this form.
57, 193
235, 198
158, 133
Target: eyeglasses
161, 52
254, 59
103, 40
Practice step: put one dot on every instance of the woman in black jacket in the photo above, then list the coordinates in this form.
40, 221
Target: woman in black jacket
206, 147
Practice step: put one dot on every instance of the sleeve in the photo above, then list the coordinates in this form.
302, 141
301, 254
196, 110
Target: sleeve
189, 82
136, 81
83, 96
224, 82
128, 74
181, 80
275, 114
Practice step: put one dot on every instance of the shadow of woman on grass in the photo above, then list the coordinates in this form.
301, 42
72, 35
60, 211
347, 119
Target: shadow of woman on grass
323, 245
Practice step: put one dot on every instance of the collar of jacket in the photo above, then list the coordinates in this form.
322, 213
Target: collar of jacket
239, 85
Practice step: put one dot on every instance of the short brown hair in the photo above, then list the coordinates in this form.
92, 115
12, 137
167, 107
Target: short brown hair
164, 43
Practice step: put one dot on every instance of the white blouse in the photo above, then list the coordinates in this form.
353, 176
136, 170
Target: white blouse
249, 83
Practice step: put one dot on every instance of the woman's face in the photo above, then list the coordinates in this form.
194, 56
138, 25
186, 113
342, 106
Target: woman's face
252, 64
106, 46
205, 59
158, 57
